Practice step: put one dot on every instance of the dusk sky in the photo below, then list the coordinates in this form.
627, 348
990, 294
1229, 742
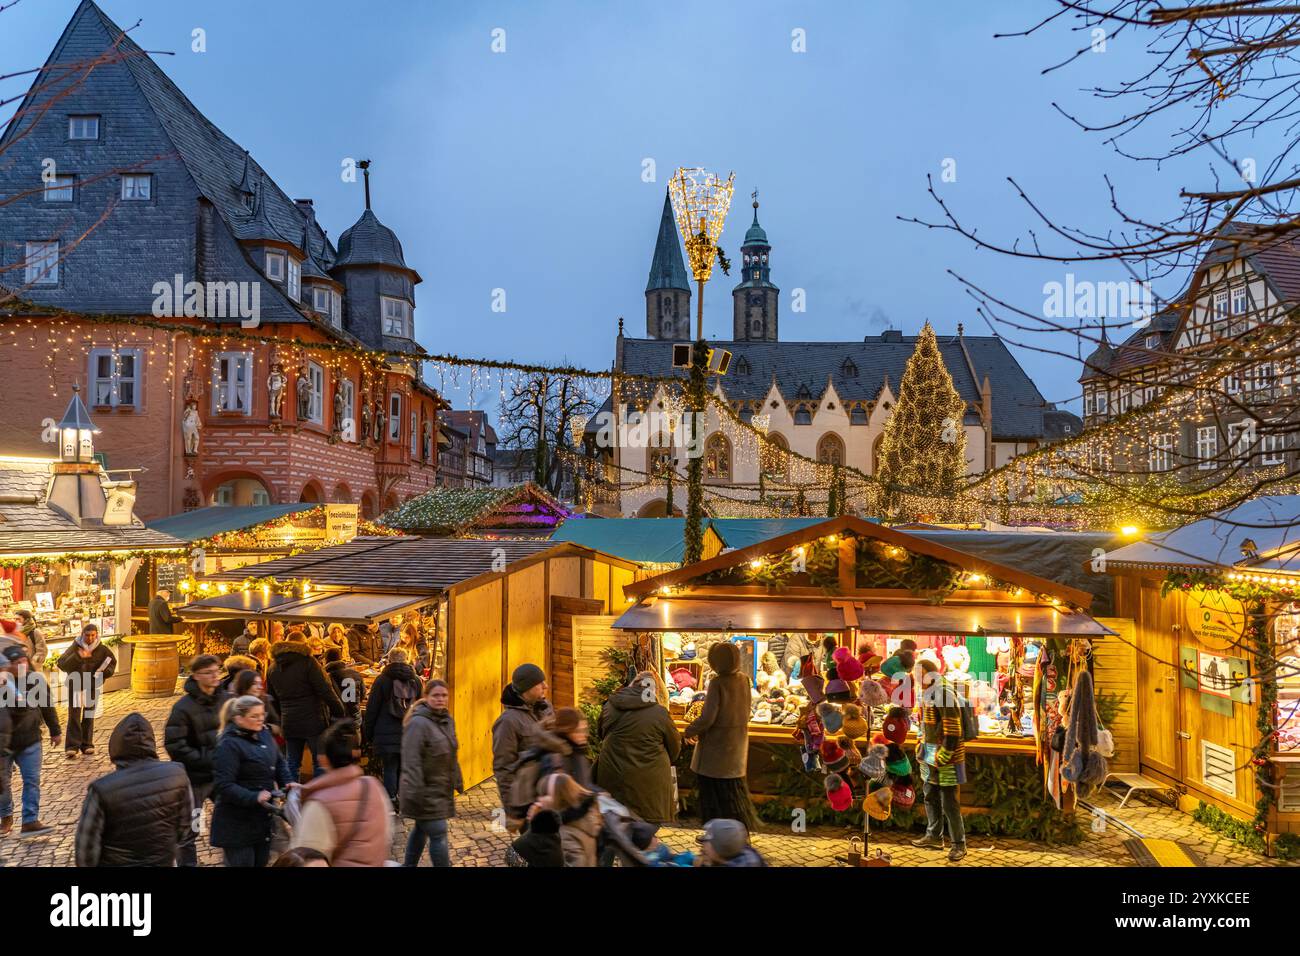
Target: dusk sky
522, 170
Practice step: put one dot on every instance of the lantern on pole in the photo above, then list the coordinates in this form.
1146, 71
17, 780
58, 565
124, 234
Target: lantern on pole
77, 432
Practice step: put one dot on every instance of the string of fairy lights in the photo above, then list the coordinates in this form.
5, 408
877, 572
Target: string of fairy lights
1047, 486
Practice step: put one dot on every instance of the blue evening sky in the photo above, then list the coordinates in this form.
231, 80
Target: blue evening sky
522, 170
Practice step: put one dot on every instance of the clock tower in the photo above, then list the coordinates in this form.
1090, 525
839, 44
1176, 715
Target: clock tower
754, 300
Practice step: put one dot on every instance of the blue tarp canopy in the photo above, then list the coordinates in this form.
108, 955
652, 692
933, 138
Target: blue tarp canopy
203, 523
643, 540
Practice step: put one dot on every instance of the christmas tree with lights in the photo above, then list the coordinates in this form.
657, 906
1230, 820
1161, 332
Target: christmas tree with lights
923, 450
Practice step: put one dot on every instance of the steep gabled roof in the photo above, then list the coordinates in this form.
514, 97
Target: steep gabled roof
1018, 406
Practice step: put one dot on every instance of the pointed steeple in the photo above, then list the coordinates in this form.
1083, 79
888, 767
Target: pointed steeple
668, 268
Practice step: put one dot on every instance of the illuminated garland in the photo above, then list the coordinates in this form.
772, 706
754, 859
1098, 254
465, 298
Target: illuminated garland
85, 557
289, 587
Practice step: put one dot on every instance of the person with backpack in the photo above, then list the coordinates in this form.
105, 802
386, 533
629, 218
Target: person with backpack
523, 707
394, 692
942, 756
305, 698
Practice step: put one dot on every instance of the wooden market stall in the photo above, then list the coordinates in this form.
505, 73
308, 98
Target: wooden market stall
70, 544
515, 511
1217, 633
867, 587
484, 606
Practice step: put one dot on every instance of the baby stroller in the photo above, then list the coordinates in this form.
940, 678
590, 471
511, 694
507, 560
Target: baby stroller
617, 848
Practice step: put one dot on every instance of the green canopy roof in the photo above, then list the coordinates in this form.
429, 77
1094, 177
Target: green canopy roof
203, 523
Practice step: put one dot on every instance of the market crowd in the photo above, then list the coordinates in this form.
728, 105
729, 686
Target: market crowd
238, 735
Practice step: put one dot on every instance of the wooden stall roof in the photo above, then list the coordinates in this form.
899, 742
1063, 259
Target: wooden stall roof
865, 529
405, 565
202, 523
238, 604
740, 616
993, 619
341, 607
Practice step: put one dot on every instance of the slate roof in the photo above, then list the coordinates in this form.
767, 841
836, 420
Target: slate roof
202, 523
32, 526
414, 565
667, 269
1018, 406
368, 242
1108, 360
1272, 522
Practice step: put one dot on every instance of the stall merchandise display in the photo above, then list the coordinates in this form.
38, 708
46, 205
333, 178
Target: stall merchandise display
64, 598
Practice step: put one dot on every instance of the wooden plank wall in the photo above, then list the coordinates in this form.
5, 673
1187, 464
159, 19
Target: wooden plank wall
1115, 670
476, 676
591, 635
525, 618
563, 611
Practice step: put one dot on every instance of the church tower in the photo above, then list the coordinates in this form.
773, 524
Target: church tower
754, 300
668, 292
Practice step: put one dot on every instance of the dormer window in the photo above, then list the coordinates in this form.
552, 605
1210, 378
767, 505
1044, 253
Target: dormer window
858, 415
275, 266
397, 317
328, 303
742, 366
1153, 341
83, 127
295, 279
848, 369
803, 415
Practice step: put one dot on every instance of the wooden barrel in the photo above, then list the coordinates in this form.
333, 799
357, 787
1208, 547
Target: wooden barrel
155, 665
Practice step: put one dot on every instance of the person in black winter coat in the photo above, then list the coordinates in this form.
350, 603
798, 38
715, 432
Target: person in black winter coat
306, 700
393, 693
88, 663
190, 736
364, 644
247, 767
26, 699
347, 681
138, 814
161, 618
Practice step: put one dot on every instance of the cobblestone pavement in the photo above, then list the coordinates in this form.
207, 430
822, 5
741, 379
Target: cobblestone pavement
477, 841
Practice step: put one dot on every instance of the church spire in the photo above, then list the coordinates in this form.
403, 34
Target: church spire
754, 299
668, 290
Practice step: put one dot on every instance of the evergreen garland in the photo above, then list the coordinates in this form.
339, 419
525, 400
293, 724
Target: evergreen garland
696, 401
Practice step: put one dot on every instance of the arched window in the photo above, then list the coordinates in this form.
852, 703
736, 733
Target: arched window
717, 458
776, 461
803, 415
830, 449
341, 494
849, 369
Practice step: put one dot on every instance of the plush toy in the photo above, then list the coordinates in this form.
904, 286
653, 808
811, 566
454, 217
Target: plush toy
790, 716
838, 792
847, 666
897, 724
931, 655
956, 660
831, 717
855, 725
770, 675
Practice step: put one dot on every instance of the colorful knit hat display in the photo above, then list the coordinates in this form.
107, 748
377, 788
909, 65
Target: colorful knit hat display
847, 666
855, 725
831, 717
897, 724
838, 793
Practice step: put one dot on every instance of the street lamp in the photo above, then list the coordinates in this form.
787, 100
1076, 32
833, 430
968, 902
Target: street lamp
700, 203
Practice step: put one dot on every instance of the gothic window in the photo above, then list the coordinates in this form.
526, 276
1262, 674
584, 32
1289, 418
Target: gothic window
803, 415
776, 461
830, 449
803, 392
757, 326
717, 458
742, 366
849, 369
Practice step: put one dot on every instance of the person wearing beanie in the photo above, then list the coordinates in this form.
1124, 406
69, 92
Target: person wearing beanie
523, 707
941, 753
726, 843
838, 792
26, 704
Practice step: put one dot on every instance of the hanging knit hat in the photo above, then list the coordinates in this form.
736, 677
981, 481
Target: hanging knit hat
901, 661
837, 689
896, 762
872, 694
855, 725
838, 793
851, 752
873, 764
904, 794
879, 803
831, 753
831, 717
897, 723
847, 666
812, 682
